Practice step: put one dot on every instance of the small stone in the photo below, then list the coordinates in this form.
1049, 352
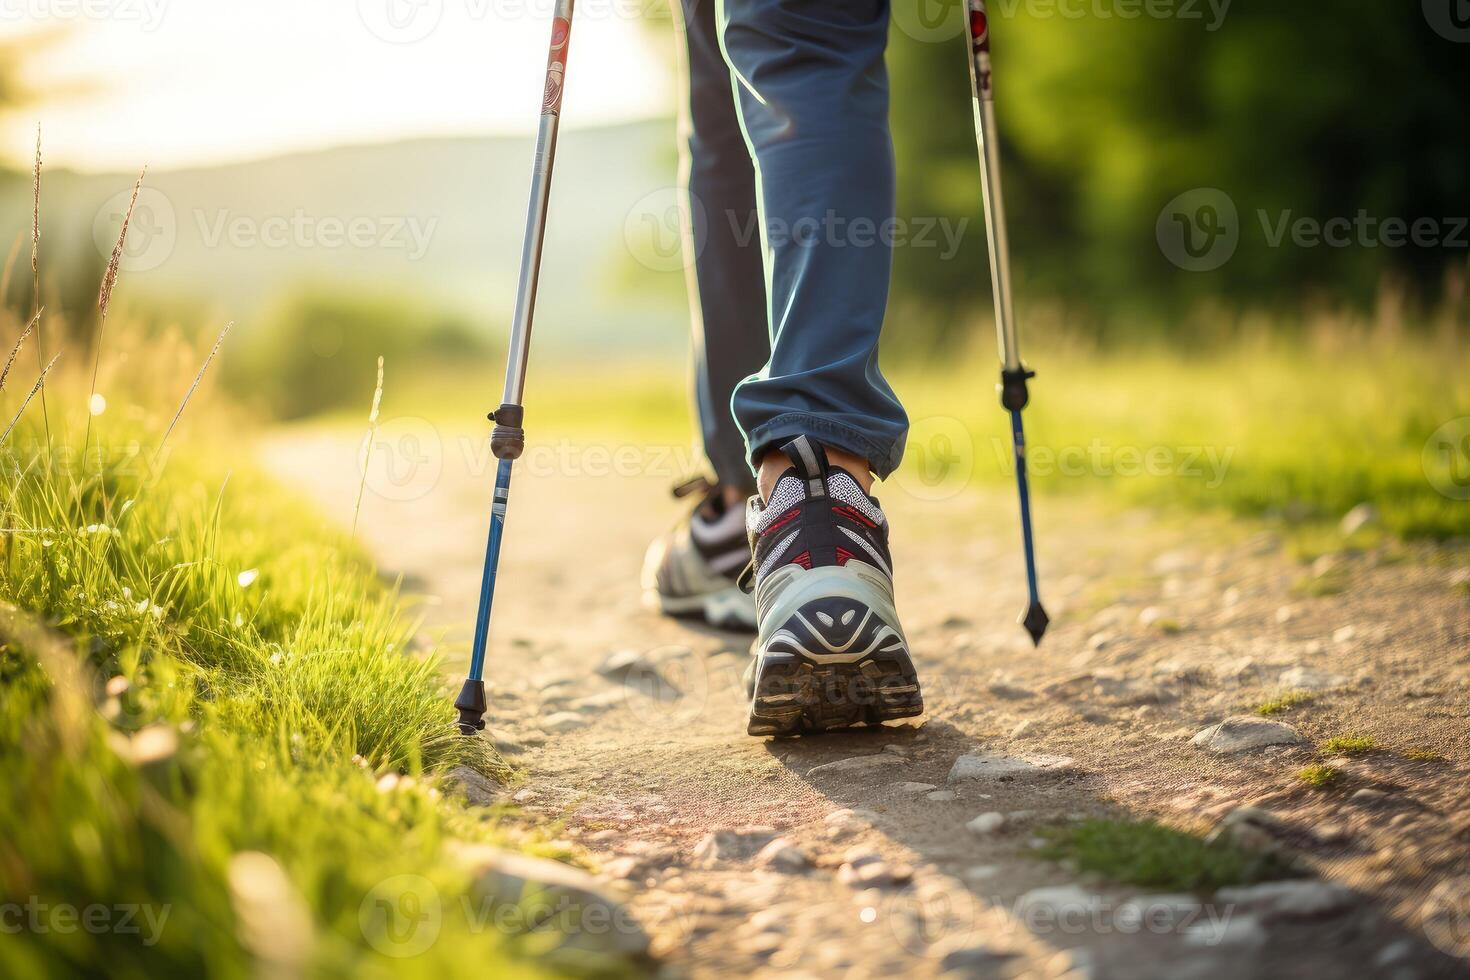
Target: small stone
616, 665
1305, 899
1368, 796
620, 867
731, 845
857, 763
1058, 900
506, 880
940, 796
986, 823
966, 955
1151, 615
477, 789
1011, 692
1240, 931
524, 795
980, 872
1344, 634
1326, 565
897, 750
1099, 641
1026, 727
1249, 828
1284, 614
914, 787
986, 766
1242, 733
1361, 516
782, 855
563, 721
1308, 679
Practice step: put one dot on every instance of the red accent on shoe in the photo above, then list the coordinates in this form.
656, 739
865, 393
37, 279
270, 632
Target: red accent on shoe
843, 556
786, 518
804, 560
852, 513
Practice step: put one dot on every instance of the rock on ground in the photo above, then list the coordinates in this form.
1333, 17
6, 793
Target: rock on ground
535, 893
982, 766
1242, 733
1305, 899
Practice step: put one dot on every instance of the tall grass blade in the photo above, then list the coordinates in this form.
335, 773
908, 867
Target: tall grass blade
36, 277
104, 300
367, 454
195, 386
10, 361
40, 382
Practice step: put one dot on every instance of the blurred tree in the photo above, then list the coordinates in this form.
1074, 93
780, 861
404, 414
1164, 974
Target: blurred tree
1353, 111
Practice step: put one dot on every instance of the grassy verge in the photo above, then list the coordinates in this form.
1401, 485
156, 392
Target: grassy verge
1294, 422
1148, 854
219, 746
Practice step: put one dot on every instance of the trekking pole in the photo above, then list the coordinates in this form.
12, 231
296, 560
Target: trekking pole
508, 439
1013, 374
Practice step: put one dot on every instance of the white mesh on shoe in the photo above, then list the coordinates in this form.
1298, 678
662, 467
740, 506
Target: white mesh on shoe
788, 493
774, 557
877, 559
842, 487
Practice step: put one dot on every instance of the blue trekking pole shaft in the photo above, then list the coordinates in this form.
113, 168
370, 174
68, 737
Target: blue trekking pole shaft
1014, 393
508, 440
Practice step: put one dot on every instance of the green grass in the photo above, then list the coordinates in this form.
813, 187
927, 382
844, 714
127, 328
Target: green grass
1284, 702
1318, 776
1298, 431
213, 711
1349, 744
1151, 855
1424, 755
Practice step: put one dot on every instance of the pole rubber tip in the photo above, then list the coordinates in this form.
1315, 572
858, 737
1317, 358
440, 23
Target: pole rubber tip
471, 705
1035, 620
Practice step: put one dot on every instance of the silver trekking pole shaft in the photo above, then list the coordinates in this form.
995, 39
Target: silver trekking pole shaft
1014, 394
508, 439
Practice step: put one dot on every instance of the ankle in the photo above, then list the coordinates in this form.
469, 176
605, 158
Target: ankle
774, 462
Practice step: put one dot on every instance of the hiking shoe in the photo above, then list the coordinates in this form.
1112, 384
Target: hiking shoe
829, 651
693, 569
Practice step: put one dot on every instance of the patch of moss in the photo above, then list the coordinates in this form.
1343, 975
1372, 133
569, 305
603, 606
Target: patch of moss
1423, 755
1146, 853
1284, 702
1349, 744
1318, 776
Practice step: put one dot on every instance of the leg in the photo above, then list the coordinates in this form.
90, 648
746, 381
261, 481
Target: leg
727, 294
812, 94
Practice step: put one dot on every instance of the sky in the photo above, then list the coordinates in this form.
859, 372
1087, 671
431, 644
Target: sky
176, 83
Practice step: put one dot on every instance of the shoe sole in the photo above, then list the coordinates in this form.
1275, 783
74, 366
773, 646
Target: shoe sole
727, 609
796, 695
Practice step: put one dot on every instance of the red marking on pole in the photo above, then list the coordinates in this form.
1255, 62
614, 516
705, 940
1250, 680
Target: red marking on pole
979, 28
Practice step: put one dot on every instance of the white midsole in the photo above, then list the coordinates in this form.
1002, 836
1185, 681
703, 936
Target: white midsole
790, 587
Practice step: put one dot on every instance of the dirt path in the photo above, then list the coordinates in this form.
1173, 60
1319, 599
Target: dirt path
1160, 628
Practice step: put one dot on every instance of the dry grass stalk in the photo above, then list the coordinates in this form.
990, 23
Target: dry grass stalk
367, 452
36, 277
10, 361
40, 382
104, 300
195, 386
